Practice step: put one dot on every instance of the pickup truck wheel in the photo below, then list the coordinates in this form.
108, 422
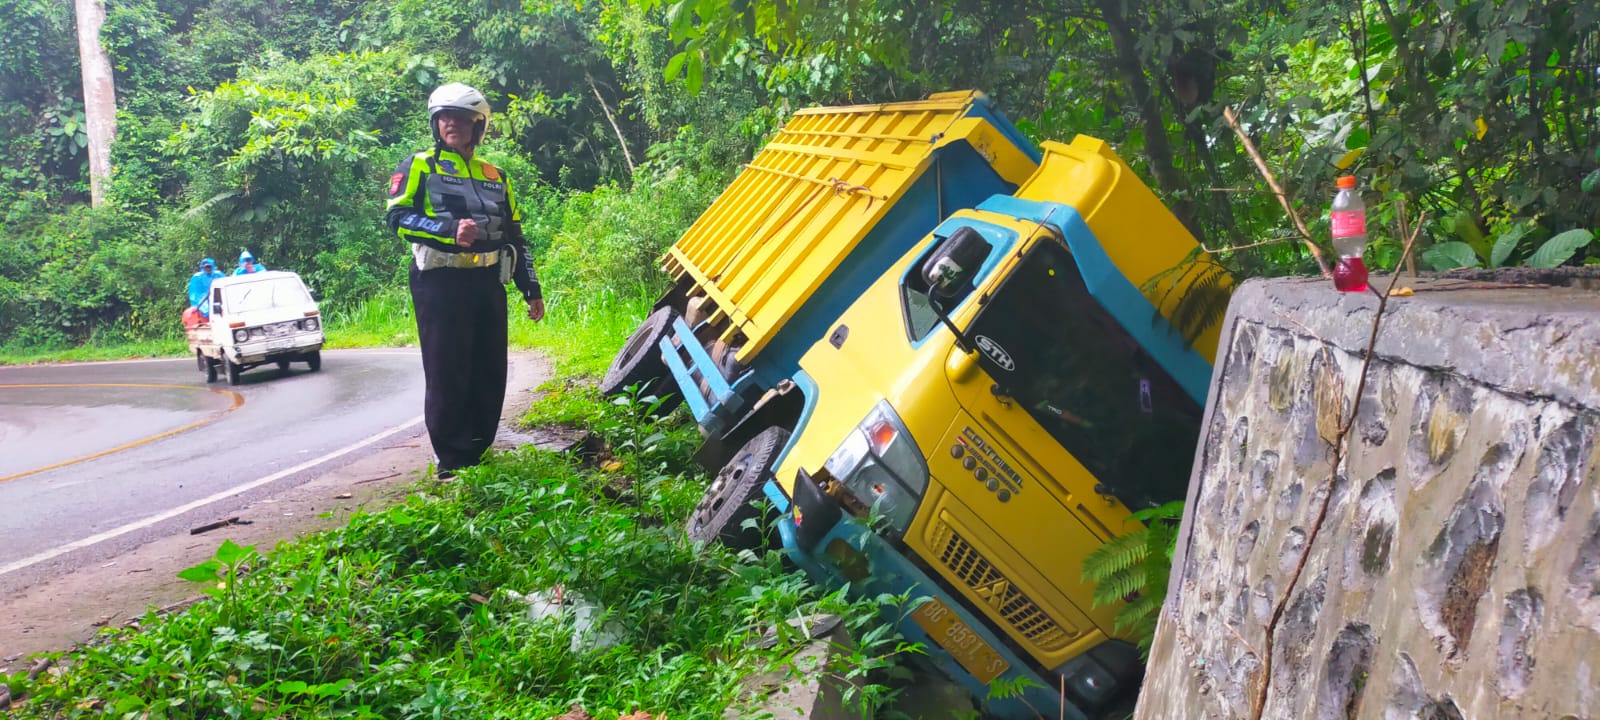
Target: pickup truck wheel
314, 361
727, 502
210, 368
639, 362
234, 369
283, 365
200, 360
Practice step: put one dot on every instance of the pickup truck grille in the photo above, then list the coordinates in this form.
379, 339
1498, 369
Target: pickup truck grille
1012, 606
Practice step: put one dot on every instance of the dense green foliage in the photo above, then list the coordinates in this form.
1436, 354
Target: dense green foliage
418, 611
272, 126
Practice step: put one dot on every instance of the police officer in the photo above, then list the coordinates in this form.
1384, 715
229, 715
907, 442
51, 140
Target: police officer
460, 216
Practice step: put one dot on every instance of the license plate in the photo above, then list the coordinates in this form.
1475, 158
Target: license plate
277, 344
946, 629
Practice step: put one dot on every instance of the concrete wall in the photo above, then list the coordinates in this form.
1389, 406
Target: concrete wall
1457, 574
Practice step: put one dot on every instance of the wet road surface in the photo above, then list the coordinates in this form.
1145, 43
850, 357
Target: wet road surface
98, 457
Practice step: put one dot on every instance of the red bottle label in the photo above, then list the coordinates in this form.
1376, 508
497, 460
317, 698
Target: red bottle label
1349, 223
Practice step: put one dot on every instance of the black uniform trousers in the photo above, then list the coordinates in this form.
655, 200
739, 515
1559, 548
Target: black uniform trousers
461, 323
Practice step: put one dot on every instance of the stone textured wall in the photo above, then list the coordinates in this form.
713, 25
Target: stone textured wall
1457, 574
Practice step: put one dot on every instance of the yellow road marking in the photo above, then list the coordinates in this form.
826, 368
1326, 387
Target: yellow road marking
237, 401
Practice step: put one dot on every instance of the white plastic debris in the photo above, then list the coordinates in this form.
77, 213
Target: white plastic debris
590, 629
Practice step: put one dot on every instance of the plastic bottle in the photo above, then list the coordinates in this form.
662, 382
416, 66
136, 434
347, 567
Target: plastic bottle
1349, 220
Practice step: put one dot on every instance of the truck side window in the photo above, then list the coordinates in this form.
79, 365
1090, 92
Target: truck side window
1050, 345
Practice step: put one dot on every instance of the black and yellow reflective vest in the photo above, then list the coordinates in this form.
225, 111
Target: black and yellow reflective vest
432, 191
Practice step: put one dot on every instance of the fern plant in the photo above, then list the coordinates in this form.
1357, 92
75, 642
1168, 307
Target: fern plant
1133, 569
1202, 288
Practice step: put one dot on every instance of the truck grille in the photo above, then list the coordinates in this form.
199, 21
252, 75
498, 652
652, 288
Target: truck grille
1018, 610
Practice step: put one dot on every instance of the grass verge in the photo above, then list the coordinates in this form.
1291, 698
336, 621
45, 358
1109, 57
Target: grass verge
419, 611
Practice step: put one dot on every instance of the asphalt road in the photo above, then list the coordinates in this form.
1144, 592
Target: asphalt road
99, 457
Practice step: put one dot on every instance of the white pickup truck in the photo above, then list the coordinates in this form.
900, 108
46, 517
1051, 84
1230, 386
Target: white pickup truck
260, 318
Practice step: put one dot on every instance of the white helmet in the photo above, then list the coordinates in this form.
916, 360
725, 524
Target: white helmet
459, 96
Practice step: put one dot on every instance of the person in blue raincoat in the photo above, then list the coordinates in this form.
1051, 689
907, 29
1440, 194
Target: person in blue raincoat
248, 264
200, 286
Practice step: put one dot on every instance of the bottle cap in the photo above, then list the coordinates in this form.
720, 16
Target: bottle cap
1347, 182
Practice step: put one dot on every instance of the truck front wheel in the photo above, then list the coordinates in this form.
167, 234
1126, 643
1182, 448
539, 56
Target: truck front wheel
314, 360
234, 369
639, 363
728, 501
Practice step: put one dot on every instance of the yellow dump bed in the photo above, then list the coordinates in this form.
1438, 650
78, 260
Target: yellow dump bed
819, 190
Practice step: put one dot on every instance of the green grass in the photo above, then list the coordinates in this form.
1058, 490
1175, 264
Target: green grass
122, 350
580, 334
413, 612
383, 320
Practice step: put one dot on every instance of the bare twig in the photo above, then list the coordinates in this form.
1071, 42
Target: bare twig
7, 699
1259, 703
621, 140
1272, 182
1232, 248
372, 480
1242, 641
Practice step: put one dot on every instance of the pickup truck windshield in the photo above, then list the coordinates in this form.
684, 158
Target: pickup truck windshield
253, 296
1050, 346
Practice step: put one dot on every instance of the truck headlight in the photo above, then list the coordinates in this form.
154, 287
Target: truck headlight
880, 465
310, 324
241, 335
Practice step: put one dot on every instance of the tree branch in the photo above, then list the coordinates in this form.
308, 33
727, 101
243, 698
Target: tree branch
1340, 451
614, 127
1272, 182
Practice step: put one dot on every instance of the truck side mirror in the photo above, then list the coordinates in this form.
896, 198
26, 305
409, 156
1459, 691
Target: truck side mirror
955, 261
949, 270
216, 302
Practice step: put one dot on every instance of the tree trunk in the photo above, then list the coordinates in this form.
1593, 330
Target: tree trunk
99, 95
1156, 145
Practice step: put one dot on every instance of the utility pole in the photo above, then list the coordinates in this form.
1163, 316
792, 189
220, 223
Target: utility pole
99, 95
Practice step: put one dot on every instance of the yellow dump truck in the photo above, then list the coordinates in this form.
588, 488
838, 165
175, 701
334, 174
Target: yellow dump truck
979, 417
834, 199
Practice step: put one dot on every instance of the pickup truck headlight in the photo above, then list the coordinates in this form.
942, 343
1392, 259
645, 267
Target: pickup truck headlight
310, 324
241, 335
880, 465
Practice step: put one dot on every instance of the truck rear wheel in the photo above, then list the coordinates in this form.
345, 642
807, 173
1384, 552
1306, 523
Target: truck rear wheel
283, 364
234, 369
639, 362
727, 502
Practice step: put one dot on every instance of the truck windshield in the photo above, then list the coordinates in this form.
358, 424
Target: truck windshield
248, 297
1050, 346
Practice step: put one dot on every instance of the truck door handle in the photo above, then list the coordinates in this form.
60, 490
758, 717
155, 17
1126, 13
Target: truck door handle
840, 334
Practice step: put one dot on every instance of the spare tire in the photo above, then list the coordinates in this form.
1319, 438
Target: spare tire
728, 501
639, 362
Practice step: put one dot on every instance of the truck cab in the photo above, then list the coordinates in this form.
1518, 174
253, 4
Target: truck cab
987, 413
257, 319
